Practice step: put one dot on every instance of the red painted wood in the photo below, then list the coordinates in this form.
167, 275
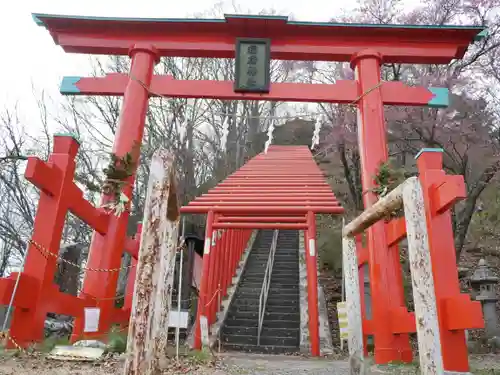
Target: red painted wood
35, 291
106, 252
260, 225
449, 299
267, 219
204, 282
373, 151
393, 93
312, 283
290, 42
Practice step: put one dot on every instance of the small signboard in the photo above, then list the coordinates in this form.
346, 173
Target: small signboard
205, 339
178, 320
91, 319
252, 65
342, 315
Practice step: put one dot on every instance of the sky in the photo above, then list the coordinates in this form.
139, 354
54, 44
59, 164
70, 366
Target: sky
31, 62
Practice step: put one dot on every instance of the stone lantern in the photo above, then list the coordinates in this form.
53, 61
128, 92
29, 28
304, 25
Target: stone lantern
484, 282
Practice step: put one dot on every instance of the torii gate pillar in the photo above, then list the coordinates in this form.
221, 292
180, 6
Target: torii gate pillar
104, 253
373, 151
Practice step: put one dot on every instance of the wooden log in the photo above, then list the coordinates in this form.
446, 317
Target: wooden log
148, 328
424, 295
382, 208
353, 300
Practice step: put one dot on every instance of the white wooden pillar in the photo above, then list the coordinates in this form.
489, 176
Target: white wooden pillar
353, 300
148, 328
424, 297
409, 195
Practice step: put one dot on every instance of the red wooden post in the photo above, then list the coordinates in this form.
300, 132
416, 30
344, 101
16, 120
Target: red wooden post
373, 151
211, 275
106, 251
204, 284
239, 234
396, 292
230, 255
225, 262
361, 276
55, 179
312, 284
220, 269
230, 250
216, 279
440, 193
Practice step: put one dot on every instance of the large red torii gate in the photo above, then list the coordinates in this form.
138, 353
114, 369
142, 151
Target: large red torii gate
281, 189
367, 47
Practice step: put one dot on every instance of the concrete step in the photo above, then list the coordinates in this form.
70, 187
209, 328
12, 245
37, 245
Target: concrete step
264, 340
272, 349
276, 291
228, 330
277, 257
234, 321
280, 341
280, 332
288, 316
285, 279
288, 299
246, 296
275, 301
292, 279
268, 323
289, 266
278, 286
237, 309
286, 271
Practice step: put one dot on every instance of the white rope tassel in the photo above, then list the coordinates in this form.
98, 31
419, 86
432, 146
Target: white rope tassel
225, 132
270, 131
317, 128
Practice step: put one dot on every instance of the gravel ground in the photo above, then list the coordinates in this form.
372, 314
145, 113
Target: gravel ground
228, 364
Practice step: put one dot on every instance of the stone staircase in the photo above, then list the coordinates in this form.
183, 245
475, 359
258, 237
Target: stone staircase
185, 304
281, 325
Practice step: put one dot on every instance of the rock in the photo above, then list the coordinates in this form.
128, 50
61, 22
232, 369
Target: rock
90, 344
57, 327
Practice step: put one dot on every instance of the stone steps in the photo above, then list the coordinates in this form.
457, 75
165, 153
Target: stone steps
281, 324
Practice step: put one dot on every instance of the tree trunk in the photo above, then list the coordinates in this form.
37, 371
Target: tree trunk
148, 329
464, 217
68, 268
352, 175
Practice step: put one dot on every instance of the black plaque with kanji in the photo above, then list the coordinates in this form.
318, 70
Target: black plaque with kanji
252, 64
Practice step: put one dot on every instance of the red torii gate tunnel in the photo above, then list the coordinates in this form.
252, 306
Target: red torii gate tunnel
145, 41
282, 189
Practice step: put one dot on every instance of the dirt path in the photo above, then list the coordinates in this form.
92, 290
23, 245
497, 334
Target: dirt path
227, 364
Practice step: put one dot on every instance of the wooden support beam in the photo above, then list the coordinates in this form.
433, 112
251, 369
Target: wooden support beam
448, 193
379, 210
424, 295
396, 231
353, 299
409, 194
148, 328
